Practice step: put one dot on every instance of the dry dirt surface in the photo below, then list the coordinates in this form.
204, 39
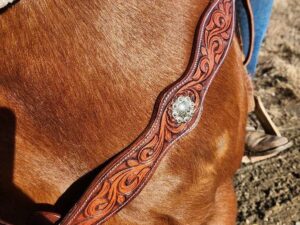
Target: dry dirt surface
269, 192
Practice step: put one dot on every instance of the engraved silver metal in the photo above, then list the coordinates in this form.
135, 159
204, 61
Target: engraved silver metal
183, 109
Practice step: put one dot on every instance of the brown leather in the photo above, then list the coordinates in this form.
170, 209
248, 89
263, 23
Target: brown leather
251, 32
123, 179
44, 218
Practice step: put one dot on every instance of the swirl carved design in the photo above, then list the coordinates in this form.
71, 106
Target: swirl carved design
125, 177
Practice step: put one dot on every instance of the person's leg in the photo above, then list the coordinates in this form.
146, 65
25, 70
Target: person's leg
262, 10
259, 145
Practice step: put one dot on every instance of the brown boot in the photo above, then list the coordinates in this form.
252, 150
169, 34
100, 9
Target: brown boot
261, 146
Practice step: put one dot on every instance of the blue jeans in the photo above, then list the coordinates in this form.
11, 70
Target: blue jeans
262, 10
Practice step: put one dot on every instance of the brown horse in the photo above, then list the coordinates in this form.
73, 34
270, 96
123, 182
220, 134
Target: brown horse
78, 81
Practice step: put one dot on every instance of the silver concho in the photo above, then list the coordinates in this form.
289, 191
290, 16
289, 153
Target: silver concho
183, 109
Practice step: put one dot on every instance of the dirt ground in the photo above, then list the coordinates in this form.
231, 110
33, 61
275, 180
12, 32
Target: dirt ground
269, 192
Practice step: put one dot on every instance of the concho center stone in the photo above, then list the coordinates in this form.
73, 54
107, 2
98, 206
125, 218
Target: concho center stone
183, 109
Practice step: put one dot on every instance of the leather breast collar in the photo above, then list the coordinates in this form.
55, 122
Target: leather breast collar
177, 111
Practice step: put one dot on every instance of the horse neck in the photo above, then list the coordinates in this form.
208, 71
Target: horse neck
83, 63
86, 82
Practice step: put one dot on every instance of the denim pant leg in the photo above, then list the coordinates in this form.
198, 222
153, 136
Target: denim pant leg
262, 10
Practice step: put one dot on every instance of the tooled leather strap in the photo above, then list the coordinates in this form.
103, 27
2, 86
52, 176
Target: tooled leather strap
177, 112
